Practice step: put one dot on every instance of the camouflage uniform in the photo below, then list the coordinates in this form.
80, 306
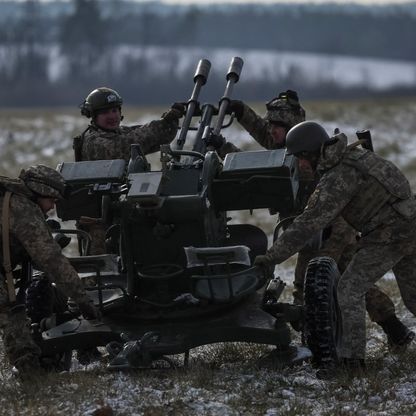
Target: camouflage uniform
259, 127
341, 242
30, 238
100, 144
374, 197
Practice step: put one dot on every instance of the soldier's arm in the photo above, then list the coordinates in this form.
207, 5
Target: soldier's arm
226, 148
257, 127
27, 224
331, 195
341, 236
151, 135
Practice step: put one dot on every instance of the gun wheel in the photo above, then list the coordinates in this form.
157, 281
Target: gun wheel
322, 316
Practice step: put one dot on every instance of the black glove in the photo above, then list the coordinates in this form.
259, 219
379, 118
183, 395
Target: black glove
177, 110
88, 310
215, 141
236, 107
180, 108
262, 261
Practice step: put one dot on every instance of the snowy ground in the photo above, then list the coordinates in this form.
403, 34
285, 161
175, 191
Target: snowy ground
223, 379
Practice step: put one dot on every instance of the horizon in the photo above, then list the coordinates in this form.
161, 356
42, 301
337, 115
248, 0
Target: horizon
208, 2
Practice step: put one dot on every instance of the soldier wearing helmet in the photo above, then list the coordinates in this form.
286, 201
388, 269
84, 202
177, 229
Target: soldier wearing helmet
339, 239
283, 112
24, 203
106, 139
375, 198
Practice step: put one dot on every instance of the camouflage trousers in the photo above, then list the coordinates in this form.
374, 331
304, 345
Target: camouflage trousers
369, 264
20, 348
341, 245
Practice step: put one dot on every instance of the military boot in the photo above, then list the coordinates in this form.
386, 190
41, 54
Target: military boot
28, 369
399, 336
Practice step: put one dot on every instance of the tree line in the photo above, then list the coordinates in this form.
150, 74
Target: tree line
83, 38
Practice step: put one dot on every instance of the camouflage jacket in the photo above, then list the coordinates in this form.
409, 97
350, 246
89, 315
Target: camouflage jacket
99, 144
30, 237
369, 192
258, 128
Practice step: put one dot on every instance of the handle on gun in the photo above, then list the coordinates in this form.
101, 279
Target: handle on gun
204, 130
365, 136
200, 78
233, 76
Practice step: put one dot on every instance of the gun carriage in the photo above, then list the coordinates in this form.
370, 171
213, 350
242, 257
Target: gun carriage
177, 275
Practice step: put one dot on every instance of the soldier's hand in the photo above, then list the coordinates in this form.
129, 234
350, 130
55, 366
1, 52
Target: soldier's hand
88, 310
236, 107
215, 141
262, 261
180, 108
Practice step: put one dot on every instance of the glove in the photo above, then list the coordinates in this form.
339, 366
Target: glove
180, 108
236, 107
216, 141
88, 310
262, 261
177, 110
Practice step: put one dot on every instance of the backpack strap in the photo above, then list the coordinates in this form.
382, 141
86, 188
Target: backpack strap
7, 265
77, 143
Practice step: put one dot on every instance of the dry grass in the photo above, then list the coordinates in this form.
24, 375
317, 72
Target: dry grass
222, 379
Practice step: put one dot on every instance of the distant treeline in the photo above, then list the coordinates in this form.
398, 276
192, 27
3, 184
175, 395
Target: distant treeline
86, 32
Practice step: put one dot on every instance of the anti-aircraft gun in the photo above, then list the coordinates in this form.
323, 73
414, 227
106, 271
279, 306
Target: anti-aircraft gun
180, 276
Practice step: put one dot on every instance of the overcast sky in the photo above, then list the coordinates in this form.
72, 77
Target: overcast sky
293, 1
276, 1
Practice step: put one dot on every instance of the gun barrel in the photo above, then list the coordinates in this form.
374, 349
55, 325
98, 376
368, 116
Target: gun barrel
200, 78
202, 71
235, 68
232, 77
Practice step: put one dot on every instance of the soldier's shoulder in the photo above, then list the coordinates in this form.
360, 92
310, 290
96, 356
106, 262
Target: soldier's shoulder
22, 200
128, 129
95, 132
23, 204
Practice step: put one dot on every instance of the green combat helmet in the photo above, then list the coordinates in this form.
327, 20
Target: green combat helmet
306, 137
285, 110
100, 99
44, 181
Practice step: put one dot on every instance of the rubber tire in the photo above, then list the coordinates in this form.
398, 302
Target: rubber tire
323, 327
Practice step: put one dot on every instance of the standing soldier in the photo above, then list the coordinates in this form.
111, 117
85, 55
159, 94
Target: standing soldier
372, 195
339, 239
26, 237
106, 139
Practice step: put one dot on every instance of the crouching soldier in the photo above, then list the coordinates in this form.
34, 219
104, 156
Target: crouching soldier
373, 196
26, 237
339, 242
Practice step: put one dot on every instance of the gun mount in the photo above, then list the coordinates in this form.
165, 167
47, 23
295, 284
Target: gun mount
178, 276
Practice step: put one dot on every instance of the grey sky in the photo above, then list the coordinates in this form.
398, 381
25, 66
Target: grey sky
273, 1
293, 1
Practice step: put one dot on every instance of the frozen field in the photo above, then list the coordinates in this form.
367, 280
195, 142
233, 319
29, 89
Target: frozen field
222, 379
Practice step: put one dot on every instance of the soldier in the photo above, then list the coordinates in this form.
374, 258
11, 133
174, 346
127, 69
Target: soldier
26, 236
106, 139
339, 239
374, 197
283, 112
